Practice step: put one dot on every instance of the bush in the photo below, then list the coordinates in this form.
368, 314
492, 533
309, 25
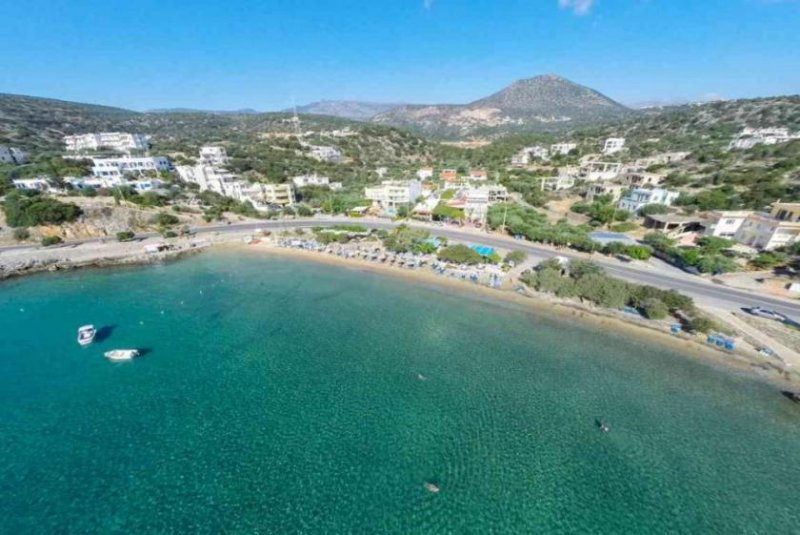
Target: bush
51, 240
21, 234
89, 192
125, 235
164, 219
654, 309
516, 257
304, 211
701, 324
638, 252
653, 209
768, 259
37, 210
627, 226
459, 254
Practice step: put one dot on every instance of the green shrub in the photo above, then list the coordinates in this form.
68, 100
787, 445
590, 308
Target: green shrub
125, 235
164, 219
51, 240
654, 309
459, 254
626, 226
37, 210
516, 257
21, 234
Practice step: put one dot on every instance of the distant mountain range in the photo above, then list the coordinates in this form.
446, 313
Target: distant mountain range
347, 109
545, 102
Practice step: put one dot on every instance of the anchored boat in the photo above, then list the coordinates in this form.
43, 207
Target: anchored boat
86, 335
121, 354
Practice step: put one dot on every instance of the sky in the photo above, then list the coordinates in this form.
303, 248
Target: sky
265, 54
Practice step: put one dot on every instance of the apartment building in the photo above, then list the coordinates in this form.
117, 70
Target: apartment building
325, 154
750, 137
213, 155
597, 171
613, 145
636, 199
562, 149
109, 167
527, 154
303, 181
425, 173
119, 141
394, 193
779, 227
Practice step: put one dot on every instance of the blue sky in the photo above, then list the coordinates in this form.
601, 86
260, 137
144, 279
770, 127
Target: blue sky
263, 53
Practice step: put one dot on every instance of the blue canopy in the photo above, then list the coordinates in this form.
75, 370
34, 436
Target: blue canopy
482, 250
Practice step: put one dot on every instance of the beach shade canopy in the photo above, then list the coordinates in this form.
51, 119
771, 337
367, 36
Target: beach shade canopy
483, 250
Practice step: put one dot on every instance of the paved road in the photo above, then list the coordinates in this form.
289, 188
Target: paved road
703, 291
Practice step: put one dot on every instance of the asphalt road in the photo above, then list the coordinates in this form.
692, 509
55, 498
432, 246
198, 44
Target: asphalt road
705, 292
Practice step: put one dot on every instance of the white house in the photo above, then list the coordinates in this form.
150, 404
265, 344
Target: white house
325, 154
605, 189
558, 183
725, 224
119, 141
425, 173
35, 184
750, 137
613, 145
562, 148
525, 155
12, 155
259, 195
769, 231
213, 155
208, 178
594, 171
394, 193
475, 201
637, 198
122, 166
311, 180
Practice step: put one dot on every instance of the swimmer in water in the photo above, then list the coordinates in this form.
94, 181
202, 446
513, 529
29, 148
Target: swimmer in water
421, 377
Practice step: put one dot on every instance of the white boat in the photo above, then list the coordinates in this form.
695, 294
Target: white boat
121, 354
86, 335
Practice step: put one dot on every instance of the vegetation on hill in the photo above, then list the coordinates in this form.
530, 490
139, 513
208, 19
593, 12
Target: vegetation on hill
27, 211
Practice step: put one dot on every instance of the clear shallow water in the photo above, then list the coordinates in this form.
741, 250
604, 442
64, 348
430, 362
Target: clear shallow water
283, 397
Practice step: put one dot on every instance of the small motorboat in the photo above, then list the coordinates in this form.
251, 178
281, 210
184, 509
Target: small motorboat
601, 426
430, 487
121, 354
86, 335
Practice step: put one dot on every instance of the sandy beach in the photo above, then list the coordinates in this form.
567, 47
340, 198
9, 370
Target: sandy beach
743, 359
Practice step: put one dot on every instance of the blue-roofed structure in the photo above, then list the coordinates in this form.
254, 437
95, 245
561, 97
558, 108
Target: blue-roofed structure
483, 250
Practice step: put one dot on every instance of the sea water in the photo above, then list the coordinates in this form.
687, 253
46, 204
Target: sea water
276, 396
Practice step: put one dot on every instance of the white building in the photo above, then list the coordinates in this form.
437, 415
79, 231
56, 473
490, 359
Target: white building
525, 155
475, 201
119, 141
562, 148
41, 184
750, 137
261, 196
126, 165
213, 155
303, 181
12, 155
636, 199
769, 231
558, 183
325, 154
613, 145
594, 171
605, 189
725, 224
394, 193
425, 173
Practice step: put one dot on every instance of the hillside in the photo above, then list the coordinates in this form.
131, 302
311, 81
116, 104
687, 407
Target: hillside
542, 103
346, 109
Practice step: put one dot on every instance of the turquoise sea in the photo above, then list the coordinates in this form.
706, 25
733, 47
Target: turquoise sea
285, 397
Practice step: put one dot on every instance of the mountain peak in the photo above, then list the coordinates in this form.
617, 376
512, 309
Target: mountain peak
548, 94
